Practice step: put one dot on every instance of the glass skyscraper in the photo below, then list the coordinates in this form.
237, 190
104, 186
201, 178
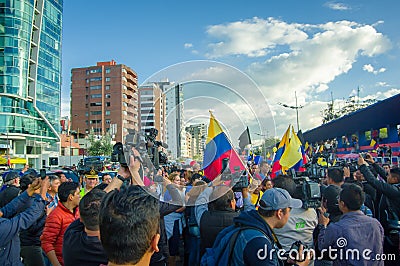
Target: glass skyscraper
30, 76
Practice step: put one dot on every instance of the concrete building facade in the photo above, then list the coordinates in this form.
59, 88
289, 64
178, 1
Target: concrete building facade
102, 96
198, 134
152, 109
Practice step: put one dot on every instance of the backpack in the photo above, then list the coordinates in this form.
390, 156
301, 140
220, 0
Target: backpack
222, 250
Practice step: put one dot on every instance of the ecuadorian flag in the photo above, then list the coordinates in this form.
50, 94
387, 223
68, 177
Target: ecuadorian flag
217, 148
276, 166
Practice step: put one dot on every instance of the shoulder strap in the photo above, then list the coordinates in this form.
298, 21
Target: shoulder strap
234, 237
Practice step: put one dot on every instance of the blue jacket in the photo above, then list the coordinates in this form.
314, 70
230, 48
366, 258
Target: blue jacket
354, 233
10, 225
252, 247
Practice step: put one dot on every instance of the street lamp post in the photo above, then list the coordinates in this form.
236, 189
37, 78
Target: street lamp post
294, 107
70, 148
265, 136
41, 147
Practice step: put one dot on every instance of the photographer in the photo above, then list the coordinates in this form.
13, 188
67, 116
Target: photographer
301, 223
389, 205
218, 214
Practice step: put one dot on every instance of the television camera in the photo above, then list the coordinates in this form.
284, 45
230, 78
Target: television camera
238, 177
145, 143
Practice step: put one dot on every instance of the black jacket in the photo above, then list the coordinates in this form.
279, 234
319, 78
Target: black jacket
8, 194
211, 224
81, 249
390, 201
31, 236
165, 209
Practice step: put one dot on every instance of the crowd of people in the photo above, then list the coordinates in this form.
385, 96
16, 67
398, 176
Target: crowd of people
180, 217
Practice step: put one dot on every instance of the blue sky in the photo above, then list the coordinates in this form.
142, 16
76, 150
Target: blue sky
311, 47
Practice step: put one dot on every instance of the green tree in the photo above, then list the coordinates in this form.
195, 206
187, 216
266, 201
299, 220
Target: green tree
98, 147
352, 104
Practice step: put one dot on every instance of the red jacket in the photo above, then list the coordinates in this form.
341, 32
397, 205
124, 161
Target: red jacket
56, 224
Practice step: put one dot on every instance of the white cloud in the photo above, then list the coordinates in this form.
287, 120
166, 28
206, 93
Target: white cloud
385, 94
382, 84
369, 68
337, 6
65, 108
306, 58
253, 37
188, 45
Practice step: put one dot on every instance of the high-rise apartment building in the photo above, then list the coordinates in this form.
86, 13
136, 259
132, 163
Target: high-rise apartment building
103, 96
176, 135
199, 135
30, 78
152, 109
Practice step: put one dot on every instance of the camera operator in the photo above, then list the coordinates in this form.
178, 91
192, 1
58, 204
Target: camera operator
301, 223
335, 176
218, 213
389, 205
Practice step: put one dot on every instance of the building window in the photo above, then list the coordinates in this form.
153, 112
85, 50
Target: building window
108, 112
108, 96
107, 87
98, 87
87, 114
108, 70
95, 79
97, 70
93, 96
95, 104
108, 104
95, 113
108, 121
108, 79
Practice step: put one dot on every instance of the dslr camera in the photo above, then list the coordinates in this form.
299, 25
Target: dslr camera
238, 177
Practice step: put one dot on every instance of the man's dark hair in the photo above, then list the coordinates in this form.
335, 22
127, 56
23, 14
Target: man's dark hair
26, 180
336, 174
129, 219
287, 183
265, 213
194, 177
330, 195
66, 189
395, 172
221, 203
89, 208
352, 196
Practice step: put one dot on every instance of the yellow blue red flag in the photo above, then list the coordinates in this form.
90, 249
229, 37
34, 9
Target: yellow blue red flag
218, 147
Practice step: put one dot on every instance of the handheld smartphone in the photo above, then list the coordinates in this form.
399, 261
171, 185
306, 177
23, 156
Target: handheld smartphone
42, 173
